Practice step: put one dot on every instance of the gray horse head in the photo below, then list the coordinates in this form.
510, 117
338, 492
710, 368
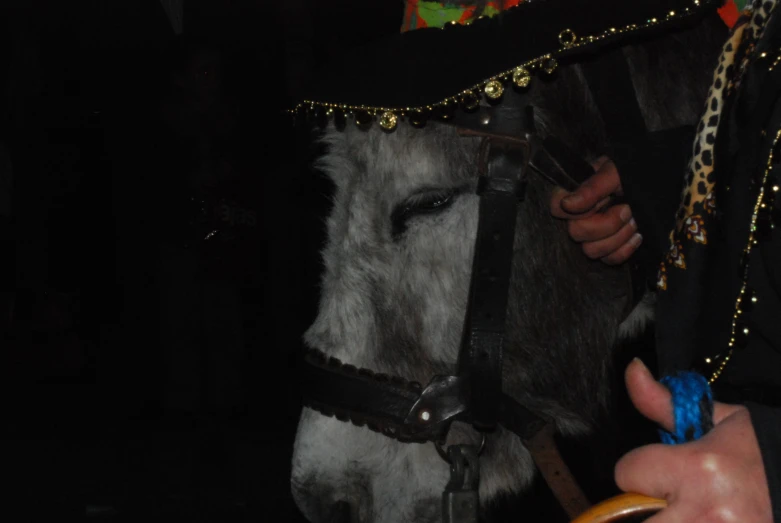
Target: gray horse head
394, 291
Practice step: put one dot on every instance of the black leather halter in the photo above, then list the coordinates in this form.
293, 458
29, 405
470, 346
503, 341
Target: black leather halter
408, 412
510, 152
405, 410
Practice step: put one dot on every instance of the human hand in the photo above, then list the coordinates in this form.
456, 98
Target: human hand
610, 235
717, 478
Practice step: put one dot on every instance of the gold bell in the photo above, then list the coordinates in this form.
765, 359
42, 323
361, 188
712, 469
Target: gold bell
363, 119
549, 65
469, 101
388, 120
522, 77
494, 89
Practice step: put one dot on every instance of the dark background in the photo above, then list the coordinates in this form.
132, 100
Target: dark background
104, 270
147, 373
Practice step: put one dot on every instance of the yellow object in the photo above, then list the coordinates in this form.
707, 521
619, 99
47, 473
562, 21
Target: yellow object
622, 506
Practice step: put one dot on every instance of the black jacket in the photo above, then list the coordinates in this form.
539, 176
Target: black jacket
743, 252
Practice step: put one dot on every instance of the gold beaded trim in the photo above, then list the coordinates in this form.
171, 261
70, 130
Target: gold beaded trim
775, 62
492, 88
743, 295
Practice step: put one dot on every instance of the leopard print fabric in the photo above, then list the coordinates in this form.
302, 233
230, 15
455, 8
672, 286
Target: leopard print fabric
698, 201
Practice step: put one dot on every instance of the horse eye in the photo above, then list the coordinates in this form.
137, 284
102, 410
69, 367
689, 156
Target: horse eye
418, 204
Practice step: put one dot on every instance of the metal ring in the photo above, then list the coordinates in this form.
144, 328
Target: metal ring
567, 38
443, 453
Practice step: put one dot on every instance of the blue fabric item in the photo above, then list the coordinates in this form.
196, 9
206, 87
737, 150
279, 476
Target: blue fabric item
692, 407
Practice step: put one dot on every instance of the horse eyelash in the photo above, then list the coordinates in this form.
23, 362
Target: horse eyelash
424, 202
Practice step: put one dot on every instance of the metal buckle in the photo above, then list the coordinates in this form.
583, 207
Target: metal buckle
486, 182
461, 500
444, 453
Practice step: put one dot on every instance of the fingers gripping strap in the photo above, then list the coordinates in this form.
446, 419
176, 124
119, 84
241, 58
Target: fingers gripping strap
692, 407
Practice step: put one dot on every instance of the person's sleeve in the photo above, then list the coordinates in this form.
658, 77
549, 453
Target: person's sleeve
652, 169
767, 426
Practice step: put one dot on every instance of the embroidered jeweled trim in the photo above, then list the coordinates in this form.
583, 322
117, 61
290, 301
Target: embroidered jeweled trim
738, 328
388, 117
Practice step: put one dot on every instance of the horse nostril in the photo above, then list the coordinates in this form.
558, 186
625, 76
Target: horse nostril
339, 513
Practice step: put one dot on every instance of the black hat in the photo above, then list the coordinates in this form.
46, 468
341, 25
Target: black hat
432, 72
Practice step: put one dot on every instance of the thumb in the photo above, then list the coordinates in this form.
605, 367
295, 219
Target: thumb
650, 398
596, 191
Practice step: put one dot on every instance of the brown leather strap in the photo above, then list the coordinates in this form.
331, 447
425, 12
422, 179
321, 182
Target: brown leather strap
546, 456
